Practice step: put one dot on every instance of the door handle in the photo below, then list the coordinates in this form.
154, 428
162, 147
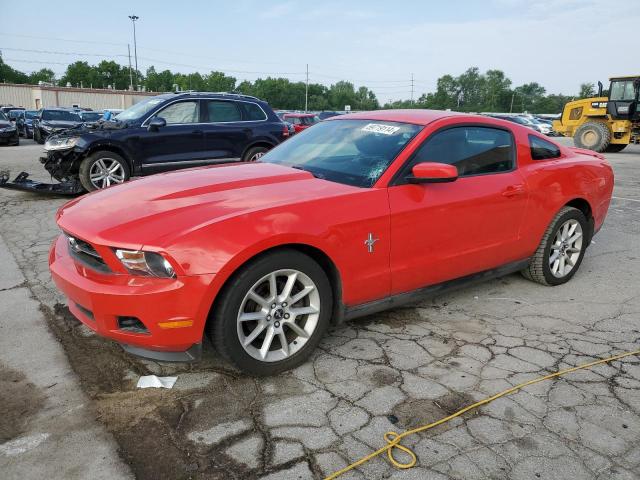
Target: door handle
513, 190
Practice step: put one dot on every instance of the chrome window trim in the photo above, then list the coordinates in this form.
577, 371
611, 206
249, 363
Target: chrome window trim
266, 117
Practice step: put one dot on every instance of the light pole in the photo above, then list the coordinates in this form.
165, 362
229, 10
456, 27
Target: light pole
135, 45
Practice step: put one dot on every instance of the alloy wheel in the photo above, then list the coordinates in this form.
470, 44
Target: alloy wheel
106, 172
566, 248
257, 156
278, 315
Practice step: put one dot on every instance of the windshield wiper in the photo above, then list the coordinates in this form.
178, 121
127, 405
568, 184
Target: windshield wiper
298, 167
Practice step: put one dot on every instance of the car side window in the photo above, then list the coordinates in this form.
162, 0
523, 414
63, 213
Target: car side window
542, 149
221, 111
253, 112
181, 112
472, 150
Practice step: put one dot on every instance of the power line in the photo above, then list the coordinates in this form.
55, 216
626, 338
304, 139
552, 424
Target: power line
61, 39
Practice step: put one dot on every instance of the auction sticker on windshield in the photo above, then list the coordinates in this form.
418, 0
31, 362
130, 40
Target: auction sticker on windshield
378, 128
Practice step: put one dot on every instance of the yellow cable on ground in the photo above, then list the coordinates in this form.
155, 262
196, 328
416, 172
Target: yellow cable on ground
393, 439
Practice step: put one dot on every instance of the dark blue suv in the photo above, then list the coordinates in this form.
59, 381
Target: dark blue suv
162, 133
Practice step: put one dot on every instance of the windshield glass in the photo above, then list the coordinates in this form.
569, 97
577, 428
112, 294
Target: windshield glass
622, 90
353, 152
30, 114
3, 116
62, 115
140, 109
309, 120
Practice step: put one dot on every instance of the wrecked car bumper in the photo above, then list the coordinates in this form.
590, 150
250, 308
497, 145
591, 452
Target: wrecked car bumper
22, 182
150, 317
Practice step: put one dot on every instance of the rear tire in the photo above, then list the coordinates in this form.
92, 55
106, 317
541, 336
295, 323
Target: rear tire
592, 136
37, 136
254, 154
615, 147
274, 335
103, 169
555, 245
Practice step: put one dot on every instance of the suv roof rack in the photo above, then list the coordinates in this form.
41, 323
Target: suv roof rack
222, 94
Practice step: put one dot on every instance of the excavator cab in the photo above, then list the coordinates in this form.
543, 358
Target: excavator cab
623, 98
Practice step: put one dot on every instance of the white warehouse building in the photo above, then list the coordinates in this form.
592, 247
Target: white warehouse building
35, 97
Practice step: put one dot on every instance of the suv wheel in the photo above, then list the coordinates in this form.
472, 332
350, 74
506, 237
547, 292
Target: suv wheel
274, 312
37, 136
561, 250
103, 169
254, 154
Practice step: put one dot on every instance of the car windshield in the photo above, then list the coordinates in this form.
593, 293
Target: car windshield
63, 115
140, 109
3, 116
30, 114
353, 152
309, 120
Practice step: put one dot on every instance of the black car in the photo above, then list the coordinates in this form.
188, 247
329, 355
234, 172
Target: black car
328, 114
7, 108
8, 131
162, 133
14, 114
24, 123
91, 116
53, 120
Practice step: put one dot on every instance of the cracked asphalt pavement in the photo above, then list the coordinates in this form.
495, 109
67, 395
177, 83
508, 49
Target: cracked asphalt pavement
391, 371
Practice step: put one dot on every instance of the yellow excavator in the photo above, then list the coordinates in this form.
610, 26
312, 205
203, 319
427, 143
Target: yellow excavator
604, 124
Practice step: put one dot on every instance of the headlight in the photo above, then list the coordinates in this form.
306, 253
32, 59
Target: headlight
46, 128
148, 264
61, 143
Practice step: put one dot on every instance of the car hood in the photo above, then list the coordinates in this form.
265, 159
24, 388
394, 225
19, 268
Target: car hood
157, 210
5, 124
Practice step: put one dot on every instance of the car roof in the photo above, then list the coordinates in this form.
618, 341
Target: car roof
416, 116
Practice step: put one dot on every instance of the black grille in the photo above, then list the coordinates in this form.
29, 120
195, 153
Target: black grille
86, 254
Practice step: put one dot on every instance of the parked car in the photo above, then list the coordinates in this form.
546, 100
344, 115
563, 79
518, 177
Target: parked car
25, 123
165, 132
15, 114
8, 131
53, 120
7, 108
519, 120
358, 214
543, 127
301, 121
91, 116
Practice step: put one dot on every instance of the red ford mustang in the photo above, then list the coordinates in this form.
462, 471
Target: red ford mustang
355, 215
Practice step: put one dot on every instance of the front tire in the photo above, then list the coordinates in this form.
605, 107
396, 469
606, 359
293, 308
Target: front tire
103, 169
592, 136
561, 250
37, 136
272, 314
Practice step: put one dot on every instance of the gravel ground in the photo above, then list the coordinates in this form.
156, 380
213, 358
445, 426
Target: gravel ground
390, 371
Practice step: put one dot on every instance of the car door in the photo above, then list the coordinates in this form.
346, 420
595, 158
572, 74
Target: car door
443, 231
178, 144
226, 135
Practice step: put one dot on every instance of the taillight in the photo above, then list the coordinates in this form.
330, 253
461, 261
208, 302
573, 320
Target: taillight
285, 131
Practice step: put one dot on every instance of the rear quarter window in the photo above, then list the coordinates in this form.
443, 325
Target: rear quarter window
542, 149
253, 112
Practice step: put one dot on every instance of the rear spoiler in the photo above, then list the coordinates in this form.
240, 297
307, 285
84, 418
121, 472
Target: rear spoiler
584, 151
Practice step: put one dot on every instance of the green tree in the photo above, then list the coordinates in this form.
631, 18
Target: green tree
10, 75
42, 75
587, 90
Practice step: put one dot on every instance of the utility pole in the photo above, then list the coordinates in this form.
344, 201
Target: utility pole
130, 72
412, 89
135, 44
306, 91
512, 97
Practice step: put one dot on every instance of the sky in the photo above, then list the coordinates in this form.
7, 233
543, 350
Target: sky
380, 44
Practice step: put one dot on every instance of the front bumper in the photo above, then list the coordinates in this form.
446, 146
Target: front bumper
9, 137
99, 300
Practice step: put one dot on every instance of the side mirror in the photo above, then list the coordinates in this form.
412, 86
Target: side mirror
432, 172
156, 123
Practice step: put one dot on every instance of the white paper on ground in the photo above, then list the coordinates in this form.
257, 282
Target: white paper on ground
151, 381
